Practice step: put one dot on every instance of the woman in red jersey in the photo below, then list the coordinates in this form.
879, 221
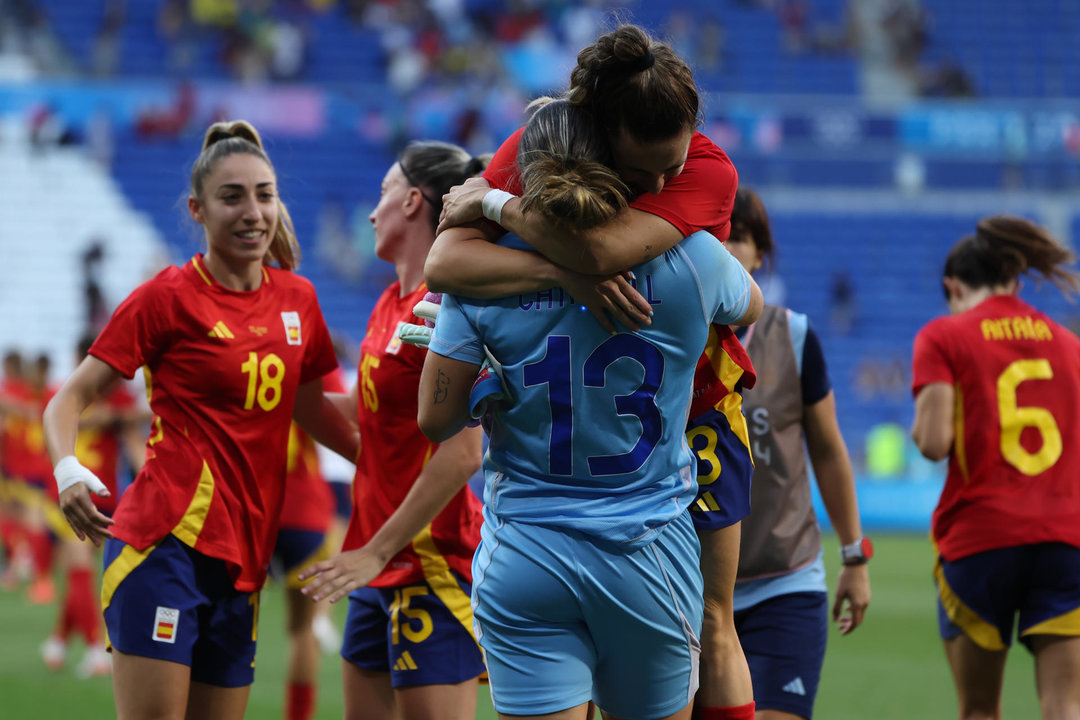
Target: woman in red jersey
997, 391
111, 426
409, 650
644, 98
234, 346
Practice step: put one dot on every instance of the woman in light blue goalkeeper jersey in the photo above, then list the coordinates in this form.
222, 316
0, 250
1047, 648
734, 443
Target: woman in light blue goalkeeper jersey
587, 583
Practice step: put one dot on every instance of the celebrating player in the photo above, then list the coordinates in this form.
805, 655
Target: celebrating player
643, 97
233, 349
997, 391
587, 580
409, 649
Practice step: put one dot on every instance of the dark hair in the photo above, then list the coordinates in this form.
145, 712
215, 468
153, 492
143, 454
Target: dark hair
84, 344
223, 139
13, 361
628, 80
563, 160
748, 216
433, 167
1005, 247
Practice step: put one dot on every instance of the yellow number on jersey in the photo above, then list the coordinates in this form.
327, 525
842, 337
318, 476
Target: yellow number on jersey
86, 447
264, 381
1015, 418
401, 604
367, 384
706, 453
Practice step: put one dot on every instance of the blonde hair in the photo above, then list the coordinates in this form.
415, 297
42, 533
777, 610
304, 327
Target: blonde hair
563, 159
223, 139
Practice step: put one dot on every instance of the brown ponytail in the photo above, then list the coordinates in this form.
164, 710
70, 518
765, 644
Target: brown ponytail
629, 81
564, 168
1005, 247
239, 136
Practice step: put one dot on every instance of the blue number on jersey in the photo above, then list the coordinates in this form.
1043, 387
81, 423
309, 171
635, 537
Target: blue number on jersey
554, 370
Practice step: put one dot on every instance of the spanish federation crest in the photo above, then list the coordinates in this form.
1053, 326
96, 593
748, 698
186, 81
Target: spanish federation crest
292, 327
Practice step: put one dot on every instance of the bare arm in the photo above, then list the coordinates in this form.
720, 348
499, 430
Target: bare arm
836, 481
346, 404
933, 430
444, 395
61, 423
630, 238
463, 262
320, 418
444, 476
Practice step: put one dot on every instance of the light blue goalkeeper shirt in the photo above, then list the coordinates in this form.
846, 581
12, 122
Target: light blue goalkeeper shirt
593, 438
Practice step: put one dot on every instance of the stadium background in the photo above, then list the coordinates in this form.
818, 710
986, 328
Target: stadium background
877, 132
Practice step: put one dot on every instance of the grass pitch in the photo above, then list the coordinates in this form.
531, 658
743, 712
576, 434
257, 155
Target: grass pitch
891, 667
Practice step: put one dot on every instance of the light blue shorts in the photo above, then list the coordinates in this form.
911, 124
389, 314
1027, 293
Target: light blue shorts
563, 620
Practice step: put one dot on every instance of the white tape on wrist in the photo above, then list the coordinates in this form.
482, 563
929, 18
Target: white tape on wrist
69, 471
493, 202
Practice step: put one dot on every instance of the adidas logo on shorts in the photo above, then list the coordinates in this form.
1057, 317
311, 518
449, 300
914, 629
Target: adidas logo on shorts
795, 687
405, 662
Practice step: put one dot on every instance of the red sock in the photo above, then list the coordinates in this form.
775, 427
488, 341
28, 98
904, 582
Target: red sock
735, 712
68, 620
300, 702
82, 604
42, 547
11, 535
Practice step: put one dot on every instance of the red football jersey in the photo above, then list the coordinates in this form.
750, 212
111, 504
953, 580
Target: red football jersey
698, 198
393, 451
37, 464
309, 501
1014, 471
98, 448
13, 440
222, 371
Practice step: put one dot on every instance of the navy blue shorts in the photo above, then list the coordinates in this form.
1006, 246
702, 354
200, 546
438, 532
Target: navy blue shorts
294, 551
422, 634
342, 499
783, 639
170, 602
982, 595
725, 466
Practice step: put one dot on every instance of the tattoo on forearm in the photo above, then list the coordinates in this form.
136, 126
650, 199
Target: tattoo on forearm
442, 385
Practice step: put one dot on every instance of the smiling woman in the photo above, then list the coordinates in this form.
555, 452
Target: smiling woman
233, 350
234, 197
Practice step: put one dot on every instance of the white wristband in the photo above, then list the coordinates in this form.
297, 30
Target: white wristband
493, 202
69, 471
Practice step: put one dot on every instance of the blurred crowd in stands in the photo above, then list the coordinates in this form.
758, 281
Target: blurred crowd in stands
432, 42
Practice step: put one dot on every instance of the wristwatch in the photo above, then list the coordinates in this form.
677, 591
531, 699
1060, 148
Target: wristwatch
858, 552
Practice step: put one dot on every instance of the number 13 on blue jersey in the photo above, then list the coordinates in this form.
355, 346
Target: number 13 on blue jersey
555, 371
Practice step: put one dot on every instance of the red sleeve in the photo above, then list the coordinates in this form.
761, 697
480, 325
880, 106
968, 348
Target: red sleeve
319, 356
701, 196
502, 172
137, 331
930, 358
120, 398
334, 382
